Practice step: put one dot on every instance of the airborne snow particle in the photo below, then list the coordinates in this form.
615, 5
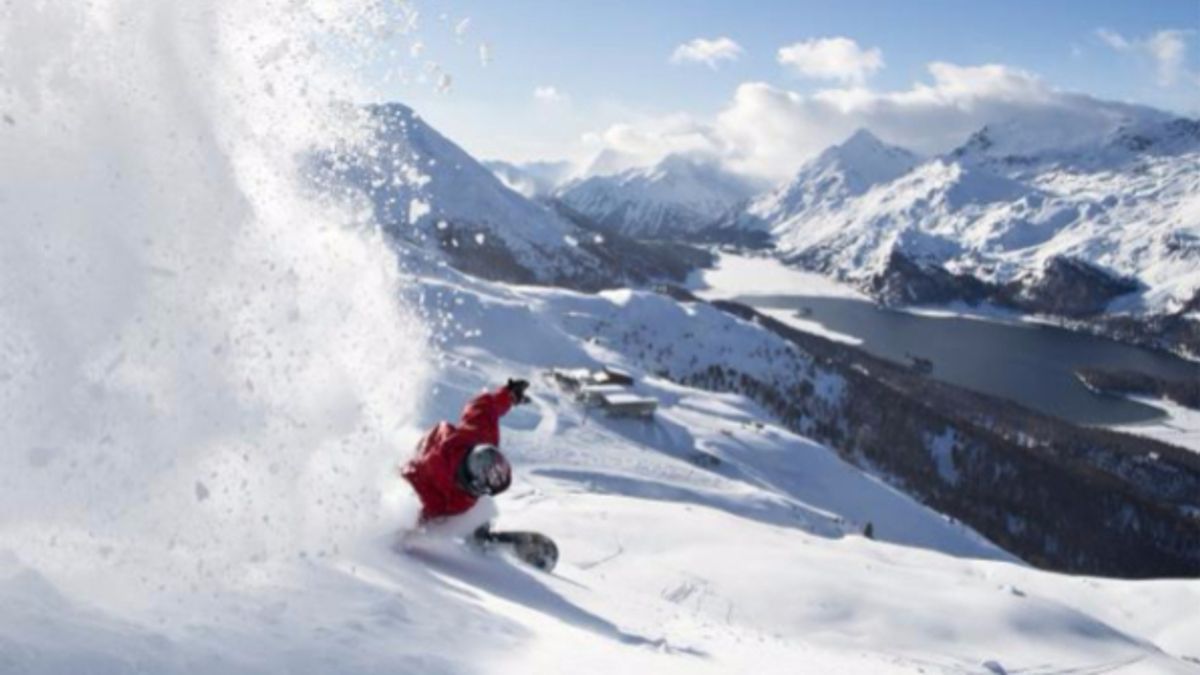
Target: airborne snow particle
417, 209
485, 54
480, 238
201, 491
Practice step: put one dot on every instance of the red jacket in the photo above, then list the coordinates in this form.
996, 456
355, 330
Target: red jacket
432, 472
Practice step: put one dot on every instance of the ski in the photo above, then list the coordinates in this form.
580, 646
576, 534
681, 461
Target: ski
531, 548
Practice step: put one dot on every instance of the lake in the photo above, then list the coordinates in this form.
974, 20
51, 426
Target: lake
1027, 363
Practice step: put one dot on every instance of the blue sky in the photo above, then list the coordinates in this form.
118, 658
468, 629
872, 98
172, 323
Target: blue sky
609, 63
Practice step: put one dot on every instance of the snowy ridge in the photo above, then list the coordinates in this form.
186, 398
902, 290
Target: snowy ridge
677, 196
1069, 130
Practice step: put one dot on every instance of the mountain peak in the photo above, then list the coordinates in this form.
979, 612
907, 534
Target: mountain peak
678, 160
862, 149
847, 169
695, 168
862, 138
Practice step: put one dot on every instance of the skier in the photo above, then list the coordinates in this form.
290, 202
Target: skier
456, 465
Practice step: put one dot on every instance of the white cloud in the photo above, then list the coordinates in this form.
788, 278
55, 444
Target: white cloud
768, 132
549, 94
1113, 39
709, 52
833, 58
1167, 49
645, 141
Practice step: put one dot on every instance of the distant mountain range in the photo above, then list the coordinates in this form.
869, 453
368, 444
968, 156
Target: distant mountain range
427, 192
677, 197
1090, 230
1095, 222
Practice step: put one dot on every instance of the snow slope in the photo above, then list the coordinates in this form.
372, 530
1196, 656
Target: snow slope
672, 562
677, 196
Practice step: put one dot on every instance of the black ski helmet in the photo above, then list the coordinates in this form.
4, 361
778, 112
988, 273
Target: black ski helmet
485, 471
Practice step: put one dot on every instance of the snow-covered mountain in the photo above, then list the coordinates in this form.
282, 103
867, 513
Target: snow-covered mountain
1105, 133
839, 173
531, 179
1127, 205
1078, 223
680, 195
425, 189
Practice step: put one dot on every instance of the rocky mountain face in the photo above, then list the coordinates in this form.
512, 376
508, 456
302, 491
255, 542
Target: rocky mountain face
428, 192
673, 199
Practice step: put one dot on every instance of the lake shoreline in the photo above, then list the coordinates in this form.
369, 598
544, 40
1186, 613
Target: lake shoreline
1027, 359
729, 279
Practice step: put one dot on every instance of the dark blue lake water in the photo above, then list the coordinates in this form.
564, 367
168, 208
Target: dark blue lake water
1030, 364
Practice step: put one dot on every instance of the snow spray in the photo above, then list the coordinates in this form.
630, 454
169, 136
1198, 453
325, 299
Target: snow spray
199, 353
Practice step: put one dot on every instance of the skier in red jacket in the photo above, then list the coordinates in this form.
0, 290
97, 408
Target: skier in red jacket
456, 465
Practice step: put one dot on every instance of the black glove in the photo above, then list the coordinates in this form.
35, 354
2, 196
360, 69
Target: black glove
517, 389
